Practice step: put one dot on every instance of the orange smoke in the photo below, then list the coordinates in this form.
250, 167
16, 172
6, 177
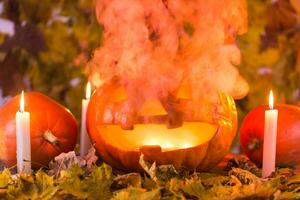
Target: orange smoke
153, 46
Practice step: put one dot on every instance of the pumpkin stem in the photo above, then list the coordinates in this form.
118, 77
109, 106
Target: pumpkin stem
49, 137
254, 144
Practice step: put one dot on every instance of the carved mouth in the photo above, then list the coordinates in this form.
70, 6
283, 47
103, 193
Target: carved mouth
189, 135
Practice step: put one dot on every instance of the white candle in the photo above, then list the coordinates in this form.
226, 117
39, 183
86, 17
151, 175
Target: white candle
270, 133
23, 139
85, 143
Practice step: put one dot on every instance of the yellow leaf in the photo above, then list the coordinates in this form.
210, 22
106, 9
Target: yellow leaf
5, 178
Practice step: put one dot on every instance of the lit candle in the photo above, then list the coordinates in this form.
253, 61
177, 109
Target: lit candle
270, 132
23, 139
85, 143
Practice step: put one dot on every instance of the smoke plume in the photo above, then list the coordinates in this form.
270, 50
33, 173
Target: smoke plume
156, 45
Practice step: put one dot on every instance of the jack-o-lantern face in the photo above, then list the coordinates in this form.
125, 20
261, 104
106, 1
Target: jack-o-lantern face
170, 130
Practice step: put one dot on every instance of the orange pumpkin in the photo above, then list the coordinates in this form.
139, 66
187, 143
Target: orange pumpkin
53, 129
288, 135
168, 130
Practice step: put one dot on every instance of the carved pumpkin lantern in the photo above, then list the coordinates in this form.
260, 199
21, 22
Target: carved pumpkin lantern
168, 129
158, 75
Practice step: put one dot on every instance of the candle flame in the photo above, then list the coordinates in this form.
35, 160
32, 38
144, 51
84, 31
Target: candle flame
88, 91
22, 102
271, 100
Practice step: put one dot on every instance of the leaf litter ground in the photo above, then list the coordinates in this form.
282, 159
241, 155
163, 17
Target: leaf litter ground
72, 177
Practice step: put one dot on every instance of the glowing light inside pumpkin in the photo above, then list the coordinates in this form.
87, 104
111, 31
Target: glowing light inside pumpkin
88, 91
166, 145
186, 145
190, 134
271, 100
151, 142
163, 143
22, 102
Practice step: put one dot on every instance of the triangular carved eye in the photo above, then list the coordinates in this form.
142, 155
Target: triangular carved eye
152, 107
119, 94
184, 91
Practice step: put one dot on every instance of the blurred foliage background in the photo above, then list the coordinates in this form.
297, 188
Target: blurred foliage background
52, 40
270, 53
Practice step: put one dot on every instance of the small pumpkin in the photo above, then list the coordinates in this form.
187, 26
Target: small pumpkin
288, 135
53, 129
168, 130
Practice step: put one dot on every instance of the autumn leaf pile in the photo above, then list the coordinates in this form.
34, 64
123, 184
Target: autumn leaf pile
162, 182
